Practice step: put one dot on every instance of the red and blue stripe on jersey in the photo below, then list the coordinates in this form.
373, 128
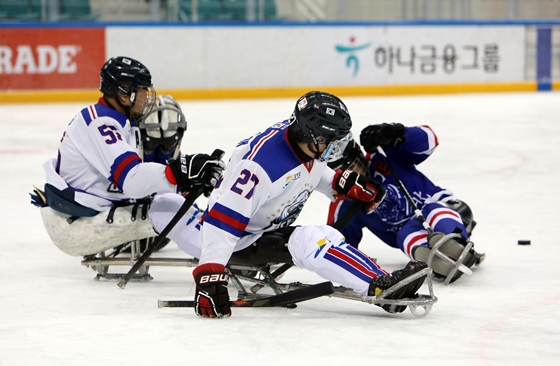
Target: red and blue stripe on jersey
101, 110
227, 220
121, 166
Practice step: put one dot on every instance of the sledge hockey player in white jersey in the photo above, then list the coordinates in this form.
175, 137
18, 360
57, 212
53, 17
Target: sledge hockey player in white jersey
449, 220
99, 190
264, 188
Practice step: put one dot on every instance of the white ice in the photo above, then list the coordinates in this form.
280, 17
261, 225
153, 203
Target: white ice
498, 152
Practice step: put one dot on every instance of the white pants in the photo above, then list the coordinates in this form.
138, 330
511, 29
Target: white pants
322, 249
187, 231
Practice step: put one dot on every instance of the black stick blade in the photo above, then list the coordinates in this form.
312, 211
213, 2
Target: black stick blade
287, 298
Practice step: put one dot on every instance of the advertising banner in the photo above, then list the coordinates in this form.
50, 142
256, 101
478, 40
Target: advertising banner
300, 56
51, 58
424, 55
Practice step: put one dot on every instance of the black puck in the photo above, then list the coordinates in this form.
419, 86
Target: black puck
524, 242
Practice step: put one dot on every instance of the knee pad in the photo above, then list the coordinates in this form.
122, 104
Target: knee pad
465, 211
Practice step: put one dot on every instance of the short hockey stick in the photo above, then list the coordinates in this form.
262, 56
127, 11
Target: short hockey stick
417, 212
284, 299
189, 200
348, 215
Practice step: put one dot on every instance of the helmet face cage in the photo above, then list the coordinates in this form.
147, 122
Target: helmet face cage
321, 118
143, 99
335, 149
352, 159
163, 127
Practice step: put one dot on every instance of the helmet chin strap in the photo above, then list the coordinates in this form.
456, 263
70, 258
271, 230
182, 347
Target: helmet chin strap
127, 109
314, 148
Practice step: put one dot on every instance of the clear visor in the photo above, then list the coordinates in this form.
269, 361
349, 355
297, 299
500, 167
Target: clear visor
335, 149
143, 99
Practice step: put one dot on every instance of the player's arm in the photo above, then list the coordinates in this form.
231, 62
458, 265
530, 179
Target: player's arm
107, 150
344, 184
245, 187
243, 190
421, 142
405, 144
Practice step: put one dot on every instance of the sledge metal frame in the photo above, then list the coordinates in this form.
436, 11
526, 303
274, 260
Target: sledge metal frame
261, 276
457, 264
265, 278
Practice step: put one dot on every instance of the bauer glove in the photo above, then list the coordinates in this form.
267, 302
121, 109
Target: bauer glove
349, 184
189, 171
384, 135
211, 296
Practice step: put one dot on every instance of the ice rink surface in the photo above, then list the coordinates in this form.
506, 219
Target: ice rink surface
498, 152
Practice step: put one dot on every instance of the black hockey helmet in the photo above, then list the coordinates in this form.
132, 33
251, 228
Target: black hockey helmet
127, 76
352, 158
321, 118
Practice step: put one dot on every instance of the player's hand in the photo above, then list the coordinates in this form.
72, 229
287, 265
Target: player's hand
384, 135
211, 297
189, 171
349, 184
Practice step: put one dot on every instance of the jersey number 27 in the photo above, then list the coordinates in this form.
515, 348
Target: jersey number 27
245, 177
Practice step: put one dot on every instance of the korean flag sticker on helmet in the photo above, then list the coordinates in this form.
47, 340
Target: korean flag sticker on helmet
330, 111
302, 103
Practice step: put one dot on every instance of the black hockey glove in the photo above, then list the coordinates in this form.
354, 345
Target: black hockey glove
211, 297
384, 135
349, 184
189, 171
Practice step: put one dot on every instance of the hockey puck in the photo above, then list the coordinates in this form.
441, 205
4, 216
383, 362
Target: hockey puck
524, 242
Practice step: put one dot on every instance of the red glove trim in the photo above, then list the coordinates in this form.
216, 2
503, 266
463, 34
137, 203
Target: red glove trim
209, 267
169, 175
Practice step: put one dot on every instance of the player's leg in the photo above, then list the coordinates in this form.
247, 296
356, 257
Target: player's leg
91, 235
186, 232
322, 249
415, 242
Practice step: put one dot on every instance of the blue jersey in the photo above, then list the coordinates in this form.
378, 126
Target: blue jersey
395, 211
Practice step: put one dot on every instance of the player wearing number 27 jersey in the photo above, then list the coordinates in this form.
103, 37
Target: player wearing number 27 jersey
269, 178
260, 193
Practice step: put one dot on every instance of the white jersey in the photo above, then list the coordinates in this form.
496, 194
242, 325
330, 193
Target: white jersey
98, 159
265, 187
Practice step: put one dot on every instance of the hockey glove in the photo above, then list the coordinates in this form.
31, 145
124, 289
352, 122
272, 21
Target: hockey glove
189, 171
384, 135
211, 297
349, 184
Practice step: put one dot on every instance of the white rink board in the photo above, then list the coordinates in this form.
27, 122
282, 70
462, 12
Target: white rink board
300, 56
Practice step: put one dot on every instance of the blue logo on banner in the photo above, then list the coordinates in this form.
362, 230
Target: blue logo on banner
352, 60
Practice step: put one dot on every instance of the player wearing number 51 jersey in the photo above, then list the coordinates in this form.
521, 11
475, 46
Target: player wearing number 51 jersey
99, 184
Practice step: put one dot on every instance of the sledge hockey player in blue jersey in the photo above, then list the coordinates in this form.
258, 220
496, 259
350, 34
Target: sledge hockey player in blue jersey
442, 225
269, 178
112, 159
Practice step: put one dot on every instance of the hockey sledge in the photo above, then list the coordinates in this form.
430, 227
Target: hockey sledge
249, 280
